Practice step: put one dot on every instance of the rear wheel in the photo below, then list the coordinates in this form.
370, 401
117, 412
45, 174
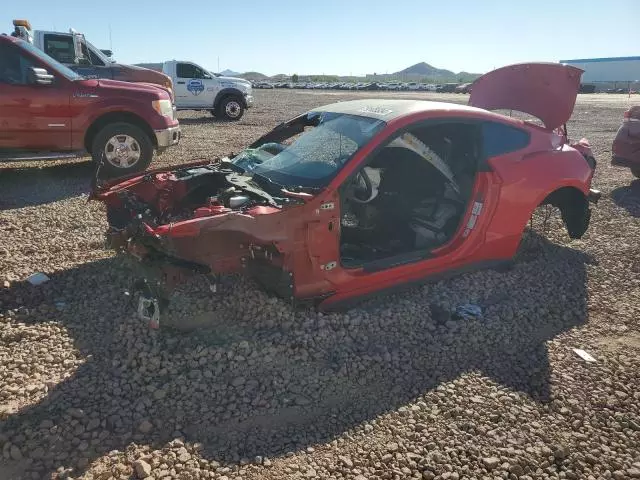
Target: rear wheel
122, 148
635, 171
230, 108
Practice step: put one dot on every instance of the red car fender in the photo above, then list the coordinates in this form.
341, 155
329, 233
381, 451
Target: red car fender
527, 182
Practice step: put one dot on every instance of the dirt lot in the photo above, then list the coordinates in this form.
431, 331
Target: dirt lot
247, 389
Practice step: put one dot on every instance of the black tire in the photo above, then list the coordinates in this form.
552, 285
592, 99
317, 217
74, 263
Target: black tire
635, 171
230, 108
142, 144
576, 218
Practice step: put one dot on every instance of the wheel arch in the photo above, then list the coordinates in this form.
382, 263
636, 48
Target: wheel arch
573, 204
228, 92
561, 194
115, 117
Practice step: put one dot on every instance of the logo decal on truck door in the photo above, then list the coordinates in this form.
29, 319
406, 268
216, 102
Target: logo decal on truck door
195, 86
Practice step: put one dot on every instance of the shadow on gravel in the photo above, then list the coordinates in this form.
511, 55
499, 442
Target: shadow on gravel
628, 197
258, 379
26, 187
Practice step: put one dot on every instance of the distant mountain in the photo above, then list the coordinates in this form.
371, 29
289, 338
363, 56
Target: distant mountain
420, 72
423, 69
253, 76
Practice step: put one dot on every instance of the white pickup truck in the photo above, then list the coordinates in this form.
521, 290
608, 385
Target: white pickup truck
74, 51
195, 88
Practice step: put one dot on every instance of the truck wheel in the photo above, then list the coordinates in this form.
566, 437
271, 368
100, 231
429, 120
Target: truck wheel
230, 108
635, 172
126, 148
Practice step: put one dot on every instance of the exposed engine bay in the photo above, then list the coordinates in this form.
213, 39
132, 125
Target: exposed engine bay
188, 193
157, 219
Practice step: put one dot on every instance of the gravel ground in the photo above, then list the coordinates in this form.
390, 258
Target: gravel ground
248, 389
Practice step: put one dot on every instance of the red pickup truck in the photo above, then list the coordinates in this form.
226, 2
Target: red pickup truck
49, 111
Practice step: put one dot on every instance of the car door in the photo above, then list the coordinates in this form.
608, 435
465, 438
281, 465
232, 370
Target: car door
194, 87
33, 117
440, 238
61, 47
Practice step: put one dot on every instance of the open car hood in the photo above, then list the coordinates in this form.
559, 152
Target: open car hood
545, 90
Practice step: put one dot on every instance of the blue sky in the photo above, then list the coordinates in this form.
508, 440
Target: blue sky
343, 36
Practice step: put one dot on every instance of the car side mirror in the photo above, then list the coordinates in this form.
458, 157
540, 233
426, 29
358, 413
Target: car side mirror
40, 76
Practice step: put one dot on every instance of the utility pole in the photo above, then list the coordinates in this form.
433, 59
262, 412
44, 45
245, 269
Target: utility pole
218, 64
110, 42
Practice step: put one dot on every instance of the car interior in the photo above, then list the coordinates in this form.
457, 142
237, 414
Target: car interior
410, 196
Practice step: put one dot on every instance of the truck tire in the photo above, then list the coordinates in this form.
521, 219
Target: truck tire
230, 108
125, 147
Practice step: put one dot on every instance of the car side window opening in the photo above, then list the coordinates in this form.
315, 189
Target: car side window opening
189, 70
60, 47
500, 139
411, 195
14, 67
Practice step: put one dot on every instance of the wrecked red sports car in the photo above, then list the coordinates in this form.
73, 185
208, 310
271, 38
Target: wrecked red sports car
626, 146
360, 197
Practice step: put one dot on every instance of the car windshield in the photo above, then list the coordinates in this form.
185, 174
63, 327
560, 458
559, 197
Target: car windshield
308, 151
56, 65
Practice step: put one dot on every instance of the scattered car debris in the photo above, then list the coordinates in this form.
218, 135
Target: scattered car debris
37, 278
584, 355
468, 311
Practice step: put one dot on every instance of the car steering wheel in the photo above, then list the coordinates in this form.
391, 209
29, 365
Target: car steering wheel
369, 193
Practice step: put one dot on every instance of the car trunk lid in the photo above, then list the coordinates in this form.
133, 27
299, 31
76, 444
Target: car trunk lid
547, 91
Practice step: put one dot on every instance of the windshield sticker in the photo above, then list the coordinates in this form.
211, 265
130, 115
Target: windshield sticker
195, 86
376, 110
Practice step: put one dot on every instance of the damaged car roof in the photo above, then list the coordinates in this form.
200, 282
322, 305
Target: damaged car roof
390, 109
545, 90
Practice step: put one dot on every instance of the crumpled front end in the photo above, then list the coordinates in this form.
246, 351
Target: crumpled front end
196, 220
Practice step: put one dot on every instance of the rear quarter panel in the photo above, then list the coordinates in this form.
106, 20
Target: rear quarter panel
526, 180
